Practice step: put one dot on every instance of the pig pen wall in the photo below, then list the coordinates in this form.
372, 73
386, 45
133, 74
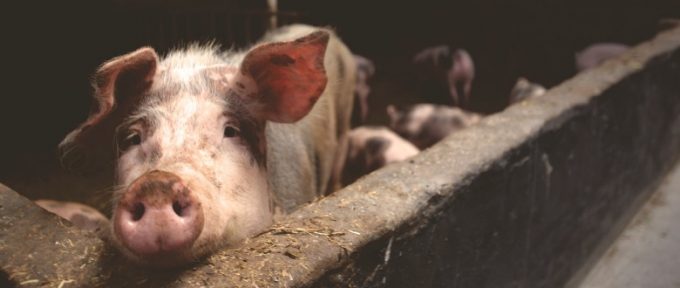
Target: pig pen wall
527, 198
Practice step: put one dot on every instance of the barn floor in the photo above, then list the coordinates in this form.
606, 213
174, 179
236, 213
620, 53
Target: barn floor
647, 254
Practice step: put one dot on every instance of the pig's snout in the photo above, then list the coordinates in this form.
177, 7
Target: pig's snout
158, 216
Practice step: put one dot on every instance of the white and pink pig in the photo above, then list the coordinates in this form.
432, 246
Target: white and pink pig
371, 148
207, 145
426, 124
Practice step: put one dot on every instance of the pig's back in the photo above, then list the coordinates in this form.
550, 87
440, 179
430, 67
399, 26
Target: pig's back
595, 54
300, 156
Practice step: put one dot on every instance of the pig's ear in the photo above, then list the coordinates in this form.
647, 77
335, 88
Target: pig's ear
118, 86
393, 112
121, 81
289, 76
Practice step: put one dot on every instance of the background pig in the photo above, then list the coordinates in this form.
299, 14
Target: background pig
364, 72
524, 89
371, 148
442, 71
329, 135
664, 24
597, 53
82, 216
207, 144
426, 124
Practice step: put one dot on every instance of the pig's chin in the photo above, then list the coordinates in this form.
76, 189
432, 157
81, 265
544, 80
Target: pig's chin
201, 248
148, 230
166, 259
162, 260
176, 259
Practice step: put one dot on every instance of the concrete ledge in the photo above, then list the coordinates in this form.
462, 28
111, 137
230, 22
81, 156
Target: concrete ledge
527, 198
38, 248
647, 253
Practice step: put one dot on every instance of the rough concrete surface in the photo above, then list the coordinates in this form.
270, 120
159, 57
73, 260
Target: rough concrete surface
523, 199
38, 248
647, 254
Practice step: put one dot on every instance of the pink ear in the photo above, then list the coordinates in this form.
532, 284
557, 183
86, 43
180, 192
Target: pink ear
290, 76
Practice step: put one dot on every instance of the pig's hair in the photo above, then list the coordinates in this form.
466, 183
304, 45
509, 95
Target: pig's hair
180, 63
196, 55
177, 74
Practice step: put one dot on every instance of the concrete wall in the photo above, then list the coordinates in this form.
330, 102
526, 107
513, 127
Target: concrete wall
527, 198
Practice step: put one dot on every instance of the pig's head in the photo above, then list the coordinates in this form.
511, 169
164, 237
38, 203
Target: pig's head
524, 89
186, 135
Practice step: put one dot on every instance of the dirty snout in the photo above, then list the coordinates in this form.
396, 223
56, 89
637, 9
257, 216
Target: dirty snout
158, 217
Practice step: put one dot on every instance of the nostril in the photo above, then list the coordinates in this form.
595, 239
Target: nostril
178, 208
138, 211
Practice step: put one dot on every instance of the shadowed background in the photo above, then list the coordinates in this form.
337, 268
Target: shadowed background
51, 49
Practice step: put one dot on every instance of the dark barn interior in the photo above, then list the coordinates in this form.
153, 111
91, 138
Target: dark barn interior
64, 42
53, 48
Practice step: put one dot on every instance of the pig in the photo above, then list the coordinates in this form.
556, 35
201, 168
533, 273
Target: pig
372, 147
426, 124
365, 71
82, 216
441, 69
595, 54
524, 89
207, 146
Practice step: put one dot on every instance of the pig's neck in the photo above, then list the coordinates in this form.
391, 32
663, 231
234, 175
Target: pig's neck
291, 167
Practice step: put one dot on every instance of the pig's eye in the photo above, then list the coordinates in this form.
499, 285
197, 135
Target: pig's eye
128, 140
230, 131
